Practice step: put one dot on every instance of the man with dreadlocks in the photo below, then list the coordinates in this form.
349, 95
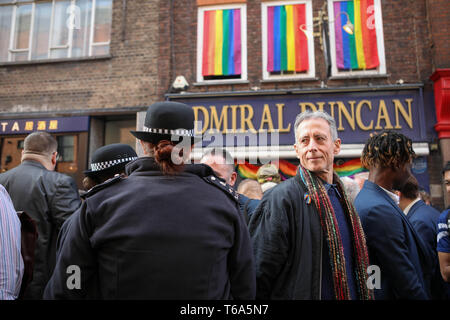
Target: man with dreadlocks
307, 237
394, 246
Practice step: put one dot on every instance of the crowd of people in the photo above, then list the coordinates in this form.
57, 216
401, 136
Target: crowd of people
160, 227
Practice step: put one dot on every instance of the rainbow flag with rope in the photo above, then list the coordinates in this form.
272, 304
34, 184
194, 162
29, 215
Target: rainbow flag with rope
358, 50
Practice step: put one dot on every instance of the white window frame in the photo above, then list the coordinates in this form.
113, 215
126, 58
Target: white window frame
381, 70
309, 29
68, 45
201, 11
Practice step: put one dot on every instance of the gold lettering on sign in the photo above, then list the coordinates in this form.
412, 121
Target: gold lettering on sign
310, 105
321, 104
41, 125
234, 118
15, 127
205, 119
4, 124
406, 115
246, 121
29, 125
216, 122
53, 125
350, 118
280, 107
383, 115
359, 121
266, 118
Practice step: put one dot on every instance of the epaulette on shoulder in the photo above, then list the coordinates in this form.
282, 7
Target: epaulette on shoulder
222, 185
102, 186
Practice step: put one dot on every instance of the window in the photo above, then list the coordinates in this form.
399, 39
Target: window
356, 38
222, 44
36, 30
66, 148
118, 131
288, 53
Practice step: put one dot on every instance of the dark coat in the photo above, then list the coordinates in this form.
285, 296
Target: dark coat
393, 245
49, 198
153, 236
424, 219
247, 206
287, 244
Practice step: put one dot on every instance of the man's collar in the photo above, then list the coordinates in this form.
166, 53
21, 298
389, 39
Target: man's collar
328, 186
409, 206
392, 195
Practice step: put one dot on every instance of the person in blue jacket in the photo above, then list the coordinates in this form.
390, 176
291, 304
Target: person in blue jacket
443, 238
424, 219
394, 246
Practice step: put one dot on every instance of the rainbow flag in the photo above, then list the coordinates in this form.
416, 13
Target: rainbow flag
349, 168
287, 169
221, 42
287, 46
247, 170
357, 51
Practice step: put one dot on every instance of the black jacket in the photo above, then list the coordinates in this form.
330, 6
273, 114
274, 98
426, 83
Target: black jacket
287, 244
49, 198
153, 236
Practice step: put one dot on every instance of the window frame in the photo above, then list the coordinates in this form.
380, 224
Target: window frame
50, 46
311, 74
381, 70
200, 19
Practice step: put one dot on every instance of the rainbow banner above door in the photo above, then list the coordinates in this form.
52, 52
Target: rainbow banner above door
358, 50
287, 45
221, 42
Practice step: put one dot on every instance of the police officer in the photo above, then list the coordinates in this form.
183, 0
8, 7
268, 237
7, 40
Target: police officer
168, 231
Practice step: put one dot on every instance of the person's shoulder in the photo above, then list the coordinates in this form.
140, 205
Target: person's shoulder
59, 178
429, 209
221, 185
288, 186
205, 178
444, 216
102, 187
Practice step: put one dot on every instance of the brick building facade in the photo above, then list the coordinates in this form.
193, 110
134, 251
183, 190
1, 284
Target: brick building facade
152, 42
415, 45
108, 89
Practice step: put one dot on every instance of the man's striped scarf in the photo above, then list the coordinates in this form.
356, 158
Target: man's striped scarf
318, 194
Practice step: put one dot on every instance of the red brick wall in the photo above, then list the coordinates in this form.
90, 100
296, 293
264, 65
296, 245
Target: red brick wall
406, 38
127, 79
439, 19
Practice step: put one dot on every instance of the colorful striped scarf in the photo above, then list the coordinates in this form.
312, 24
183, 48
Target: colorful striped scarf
318, 194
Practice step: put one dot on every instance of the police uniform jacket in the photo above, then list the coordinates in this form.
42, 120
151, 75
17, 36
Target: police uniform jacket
155, 236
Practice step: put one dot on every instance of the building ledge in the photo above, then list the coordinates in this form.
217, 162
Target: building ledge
50, 61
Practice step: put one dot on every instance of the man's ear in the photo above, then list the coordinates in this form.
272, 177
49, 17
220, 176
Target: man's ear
296, 152
54, 159
337, 146
233, 179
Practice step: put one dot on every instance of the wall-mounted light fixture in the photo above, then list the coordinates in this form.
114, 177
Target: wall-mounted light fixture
348, 27
320, 20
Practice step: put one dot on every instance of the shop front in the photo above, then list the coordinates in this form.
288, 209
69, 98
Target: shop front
70, 132
259, 126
